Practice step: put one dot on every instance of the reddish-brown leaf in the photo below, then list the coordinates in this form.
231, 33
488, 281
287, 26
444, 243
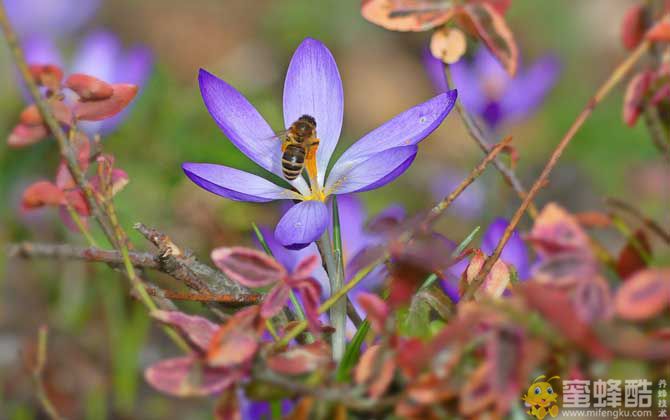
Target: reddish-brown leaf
489, 25
228, 406
31, 116
305, 267
25, 135
376, 309
477, 393
644, 295
106, 108
500, 6
564, 269
556, 306
593, 299
496, 281
274, 301
556, 231
42, 193
634, 99
47, 75
198, 330
594, 219
660, 32
375, 373
310, 293
248, 267
186, 377
407, 15
236, 342
301, 360
633, 26
89, 88
630, 258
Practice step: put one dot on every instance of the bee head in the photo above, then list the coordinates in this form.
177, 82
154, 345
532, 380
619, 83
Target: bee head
309, 119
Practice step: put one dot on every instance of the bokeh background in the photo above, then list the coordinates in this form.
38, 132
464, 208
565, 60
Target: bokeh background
100, 339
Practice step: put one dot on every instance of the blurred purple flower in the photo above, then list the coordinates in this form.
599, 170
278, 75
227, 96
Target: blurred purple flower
469, 204
515, 251
486, 90
51, 18
253, 410
101, 55
313, 87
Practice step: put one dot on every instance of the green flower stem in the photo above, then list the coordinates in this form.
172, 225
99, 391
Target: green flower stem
338, 311
80, 224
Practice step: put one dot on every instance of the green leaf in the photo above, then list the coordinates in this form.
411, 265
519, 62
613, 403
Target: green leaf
352, 353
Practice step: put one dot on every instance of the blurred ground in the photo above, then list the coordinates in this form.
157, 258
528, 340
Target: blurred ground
99, 337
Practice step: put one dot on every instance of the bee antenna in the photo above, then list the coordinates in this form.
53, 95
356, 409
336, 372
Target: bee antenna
538, 378
553, 377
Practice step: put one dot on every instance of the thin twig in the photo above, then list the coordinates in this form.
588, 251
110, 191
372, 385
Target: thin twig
542, 180
440, 207
480, 137
38, 372
70, 252
651, 224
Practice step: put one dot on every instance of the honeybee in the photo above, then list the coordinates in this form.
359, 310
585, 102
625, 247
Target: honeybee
299, 144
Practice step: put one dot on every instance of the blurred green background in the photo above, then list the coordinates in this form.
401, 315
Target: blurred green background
100, 340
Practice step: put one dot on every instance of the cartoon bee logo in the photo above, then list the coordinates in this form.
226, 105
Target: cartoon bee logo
541, 399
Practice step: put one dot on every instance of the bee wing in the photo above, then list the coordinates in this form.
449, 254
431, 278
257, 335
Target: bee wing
279, 135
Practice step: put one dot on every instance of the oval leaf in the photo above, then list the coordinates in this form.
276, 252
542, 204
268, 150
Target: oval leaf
407, 15
633, 26
106, 108
89, 88
198, 330
644, 295
42, 193
634, 99
249, 267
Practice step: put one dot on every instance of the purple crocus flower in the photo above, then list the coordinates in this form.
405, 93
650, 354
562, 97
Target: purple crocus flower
101, 55
312, 87
488, 91
515, 251
52, 18
469, 204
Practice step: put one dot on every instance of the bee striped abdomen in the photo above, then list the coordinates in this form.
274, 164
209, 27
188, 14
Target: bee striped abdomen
292, 161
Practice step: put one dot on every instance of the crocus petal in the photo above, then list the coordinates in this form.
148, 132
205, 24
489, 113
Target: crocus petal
234, 183
48, 17
526, 92
313, 86
243, 125
435, 69
303, 224
98, 55
514, 253
378, 170
466, 80
469, 204
39, 50
406, 129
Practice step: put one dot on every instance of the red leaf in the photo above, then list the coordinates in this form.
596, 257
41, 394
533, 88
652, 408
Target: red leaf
593, 299
633, 26
236, 342
198, 330
485, 22
564, 269
376, 309
660, 32
228, 406
301, 360
47, 75
376, 374
77, 201
630, 259
634, 99
42, 193
106, 108
31, 116
557, 308
556, 231
248, 267
310, 292
500, 6
274, 301
477, 393
496, 281
644, 295
24, 135
306, 267
88, 87
185, 377
407, 15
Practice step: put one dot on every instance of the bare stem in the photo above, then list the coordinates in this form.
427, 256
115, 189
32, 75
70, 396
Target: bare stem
616, 76
338, 312
649, 223
481, 137
38, 371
